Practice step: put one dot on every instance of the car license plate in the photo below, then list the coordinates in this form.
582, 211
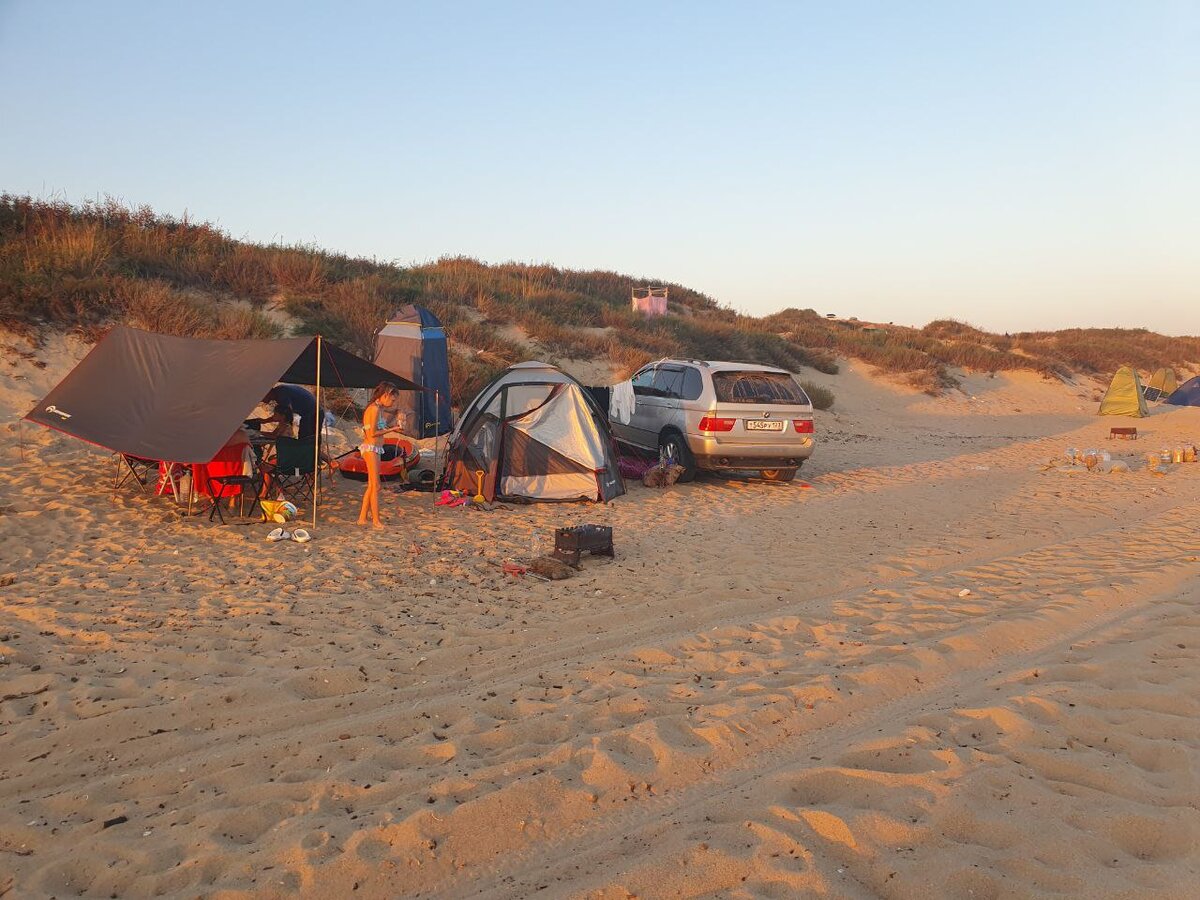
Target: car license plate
764, 425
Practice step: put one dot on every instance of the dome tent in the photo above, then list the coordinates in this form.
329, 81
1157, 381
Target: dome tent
536, 435
1187, 394
1124, 396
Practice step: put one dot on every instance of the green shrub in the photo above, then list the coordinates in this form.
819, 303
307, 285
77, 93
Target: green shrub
821, 397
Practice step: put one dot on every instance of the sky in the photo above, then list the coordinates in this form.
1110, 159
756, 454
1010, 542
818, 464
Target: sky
1016, 165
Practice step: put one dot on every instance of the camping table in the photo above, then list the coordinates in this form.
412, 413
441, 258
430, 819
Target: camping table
261, 443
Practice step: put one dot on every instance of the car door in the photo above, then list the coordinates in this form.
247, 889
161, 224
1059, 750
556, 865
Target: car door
641, 424
668, 397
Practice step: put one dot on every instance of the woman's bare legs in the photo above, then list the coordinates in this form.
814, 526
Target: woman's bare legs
370, 504
373, 475
366, 500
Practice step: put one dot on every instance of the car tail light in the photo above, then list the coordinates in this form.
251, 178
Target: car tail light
712, 423
803, 426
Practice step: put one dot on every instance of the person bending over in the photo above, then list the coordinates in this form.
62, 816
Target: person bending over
292, 400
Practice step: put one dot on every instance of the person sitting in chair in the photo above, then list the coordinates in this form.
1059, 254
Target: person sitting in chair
291, 400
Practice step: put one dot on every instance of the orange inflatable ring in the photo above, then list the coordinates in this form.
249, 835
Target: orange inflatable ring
399, 455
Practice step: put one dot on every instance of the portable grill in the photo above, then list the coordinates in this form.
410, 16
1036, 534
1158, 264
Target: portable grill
571, 543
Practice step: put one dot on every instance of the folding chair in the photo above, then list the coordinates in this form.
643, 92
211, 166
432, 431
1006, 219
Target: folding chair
223, 486
170, 477
291, 472
134, 468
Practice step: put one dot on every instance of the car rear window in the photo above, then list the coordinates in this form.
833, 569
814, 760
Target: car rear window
758, 387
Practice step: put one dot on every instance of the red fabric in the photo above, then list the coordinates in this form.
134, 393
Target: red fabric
228, 461
633, 467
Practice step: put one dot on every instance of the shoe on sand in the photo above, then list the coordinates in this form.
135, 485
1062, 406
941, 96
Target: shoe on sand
300, 536
278, 534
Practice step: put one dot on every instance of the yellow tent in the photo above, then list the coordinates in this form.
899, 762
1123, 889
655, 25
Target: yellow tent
1124, 396
1162, 385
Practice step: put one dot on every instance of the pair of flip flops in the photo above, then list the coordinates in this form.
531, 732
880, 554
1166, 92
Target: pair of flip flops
300, 536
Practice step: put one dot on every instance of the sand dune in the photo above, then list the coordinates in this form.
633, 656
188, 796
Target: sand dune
772, 691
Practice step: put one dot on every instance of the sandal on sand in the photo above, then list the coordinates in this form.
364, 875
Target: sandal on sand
279, 534
300, 536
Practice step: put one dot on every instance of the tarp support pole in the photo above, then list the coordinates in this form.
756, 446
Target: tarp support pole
437, 426
317, 441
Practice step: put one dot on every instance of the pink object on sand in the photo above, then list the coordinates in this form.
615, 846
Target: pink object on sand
632, 467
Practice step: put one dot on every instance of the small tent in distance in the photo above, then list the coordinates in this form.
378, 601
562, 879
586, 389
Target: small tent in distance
535, 434
1124, 396
1162, 385
1187, 394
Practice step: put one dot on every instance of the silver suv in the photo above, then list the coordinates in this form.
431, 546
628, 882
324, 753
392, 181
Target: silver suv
721, 416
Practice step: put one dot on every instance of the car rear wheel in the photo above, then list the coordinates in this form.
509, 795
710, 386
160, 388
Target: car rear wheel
777, 474
673, 445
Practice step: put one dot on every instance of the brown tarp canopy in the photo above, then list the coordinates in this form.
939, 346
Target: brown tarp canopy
180, 399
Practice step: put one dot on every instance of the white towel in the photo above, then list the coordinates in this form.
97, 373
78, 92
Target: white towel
622, 402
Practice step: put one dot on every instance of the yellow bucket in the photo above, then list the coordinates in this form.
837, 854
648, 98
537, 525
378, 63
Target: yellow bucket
279, 510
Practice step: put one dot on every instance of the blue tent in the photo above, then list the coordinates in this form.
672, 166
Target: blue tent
413, 345
1187, 394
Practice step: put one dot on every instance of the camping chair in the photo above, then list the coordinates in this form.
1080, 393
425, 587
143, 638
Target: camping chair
291, 471
223, 489
170, 478
136, 469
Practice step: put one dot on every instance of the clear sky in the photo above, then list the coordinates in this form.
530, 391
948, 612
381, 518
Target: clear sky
1014, 164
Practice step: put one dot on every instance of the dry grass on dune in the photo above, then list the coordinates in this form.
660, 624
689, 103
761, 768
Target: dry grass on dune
925, 356
83, 267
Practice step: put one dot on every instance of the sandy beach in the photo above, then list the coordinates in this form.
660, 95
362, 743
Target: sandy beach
935, 668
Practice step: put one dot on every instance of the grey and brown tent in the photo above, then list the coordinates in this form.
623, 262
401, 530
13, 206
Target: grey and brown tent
536, 435
178, 399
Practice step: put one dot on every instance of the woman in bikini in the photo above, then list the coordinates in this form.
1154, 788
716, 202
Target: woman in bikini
374, 428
